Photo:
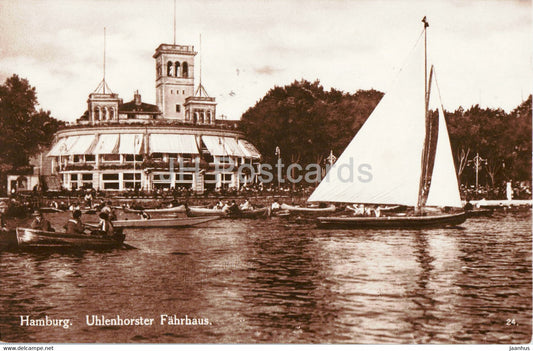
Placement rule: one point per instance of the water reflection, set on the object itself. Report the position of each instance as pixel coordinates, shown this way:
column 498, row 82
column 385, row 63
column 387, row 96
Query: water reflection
column 274, row 282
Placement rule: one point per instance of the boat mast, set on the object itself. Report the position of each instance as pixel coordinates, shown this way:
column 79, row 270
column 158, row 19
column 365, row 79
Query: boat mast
column 426, row 165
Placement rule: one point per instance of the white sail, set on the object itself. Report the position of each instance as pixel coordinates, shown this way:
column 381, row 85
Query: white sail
column 444, row 188
column 382, row 164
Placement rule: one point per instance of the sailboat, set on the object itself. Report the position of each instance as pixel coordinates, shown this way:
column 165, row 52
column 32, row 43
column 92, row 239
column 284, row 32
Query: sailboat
column 400, row 156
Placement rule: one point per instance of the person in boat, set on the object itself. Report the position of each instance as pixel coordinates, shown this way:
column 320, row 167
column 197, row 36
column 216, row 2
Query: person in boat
column 233, row 208
column 275, row 205
column 75, row 225
column 377, row 211
column 246, row 205
column 468, row 206
column 144, row 215
column 358, row 210
column 219, row 205
column 41, row 223
column 109, row 210
column 105, row 226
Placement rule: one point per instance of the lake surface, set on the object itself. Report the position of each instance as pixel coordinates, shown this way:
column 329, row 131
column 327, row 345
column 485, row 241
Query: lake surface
column 270, row 281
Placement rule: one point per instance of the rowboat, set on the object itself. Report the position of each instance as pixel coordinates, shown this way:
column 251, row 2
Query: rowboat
column 404, row 158
column 262, row 212
column 162, row 222
column 50, row 210
column 164, row 210
column 34, row 238
column 197, row 211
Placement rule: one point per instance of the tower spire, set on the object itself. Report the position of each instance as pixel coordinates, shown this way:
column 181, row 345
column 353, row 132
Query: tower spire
column 174, row 22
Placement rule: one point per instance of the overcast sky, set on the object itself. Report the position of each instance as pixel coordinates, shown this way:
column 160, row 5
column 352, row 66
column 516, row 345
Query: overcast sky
column 482, row 50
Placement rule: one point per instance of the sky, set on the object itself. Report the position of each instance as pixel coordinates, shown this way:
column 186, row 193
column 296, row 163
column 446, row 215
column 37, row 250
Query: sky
column 482, row 50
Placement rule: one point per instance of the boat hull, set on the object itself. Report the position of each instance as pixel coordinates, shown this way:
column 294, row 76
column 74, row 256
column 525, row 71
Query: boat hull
column 33, row 238
column 202, row 211
column 176, row 209
column 163, row 222
column 407, row 222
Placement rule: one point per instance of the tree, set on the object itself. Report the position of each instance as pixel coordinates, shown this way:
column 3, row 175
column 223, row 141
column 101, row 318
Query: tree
column 24, row 128
column 306, row 122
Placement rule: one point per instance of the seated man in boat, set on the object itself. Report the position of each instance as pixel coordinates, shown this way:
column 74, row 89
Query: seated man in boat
column 144, row 215
column 275, row 205
column 75, row 225
column 109, row 210
column 219, row 205
column 105, row 226
column 246, row 205
column 41, row 223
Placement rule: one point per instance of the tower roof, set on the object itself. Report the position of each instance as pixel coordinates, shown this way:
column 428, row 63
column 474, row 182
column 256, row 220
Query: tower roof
column 174, row 49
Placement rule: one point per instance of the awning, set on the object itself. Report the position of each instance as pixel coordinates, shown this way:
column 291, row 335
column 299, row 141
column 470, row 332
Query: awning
column 215, row 145
column 82, row 145
column 233, row 147
column 173, row 144
column 130, row 144
column 63, row 146
column 249, row 149
column 107, row 144
column 223, row 146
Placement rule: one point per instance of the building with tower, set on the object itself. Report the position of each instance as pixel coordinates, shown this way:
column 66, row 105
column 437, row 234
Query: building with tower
column 176, row 143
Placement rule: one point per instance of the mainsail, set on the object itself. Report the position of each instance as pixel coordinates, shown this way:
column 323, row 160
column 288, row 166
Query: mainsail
column 388, row 147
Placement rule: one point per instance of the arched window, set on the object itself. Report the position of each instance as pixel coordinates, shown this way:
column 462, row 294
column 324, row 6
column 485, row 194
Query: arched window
column 99, row 113
column 177, row 69
column 106, row 113
column 195, row 117
column 208, row 118
column 187, row 115
column 169, row 69
column 111, row 113
column 185, row 70
column 201, row 120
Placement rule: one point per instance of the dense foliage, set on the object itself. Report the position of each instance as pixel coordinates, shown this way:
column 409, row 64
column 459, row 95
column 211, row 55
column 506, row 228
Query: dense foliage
column 307, row 122
column 24, row 128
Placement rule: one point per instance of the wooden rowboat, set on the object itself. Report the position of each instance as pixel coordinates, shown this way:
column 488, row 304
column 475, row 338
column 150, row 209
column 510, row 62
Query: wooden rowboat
column 263, row 212
column 34, row 238
column 197, row 211
column 176, row 209
column 162, row 222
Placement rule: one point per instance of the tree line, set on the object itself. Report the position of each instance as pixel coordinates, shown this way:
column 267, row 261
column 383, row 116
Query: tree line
column 306, row 122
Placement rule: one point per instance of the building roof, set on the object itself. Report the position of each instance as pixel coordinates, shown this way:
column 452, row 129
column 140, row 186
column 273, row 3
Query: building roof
column 143, row 107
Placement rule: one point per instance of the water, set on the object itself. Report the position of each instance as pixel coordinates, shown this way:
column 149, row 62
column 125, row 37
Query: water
column 269, row 281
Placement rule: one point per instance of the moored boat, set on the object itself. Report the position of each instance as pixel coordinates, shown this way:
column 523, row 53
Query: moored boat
column 197, row 211
column 162, row 222
column 405, row 158
column 164, row 210
column 263, row 212
column 34, row 238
